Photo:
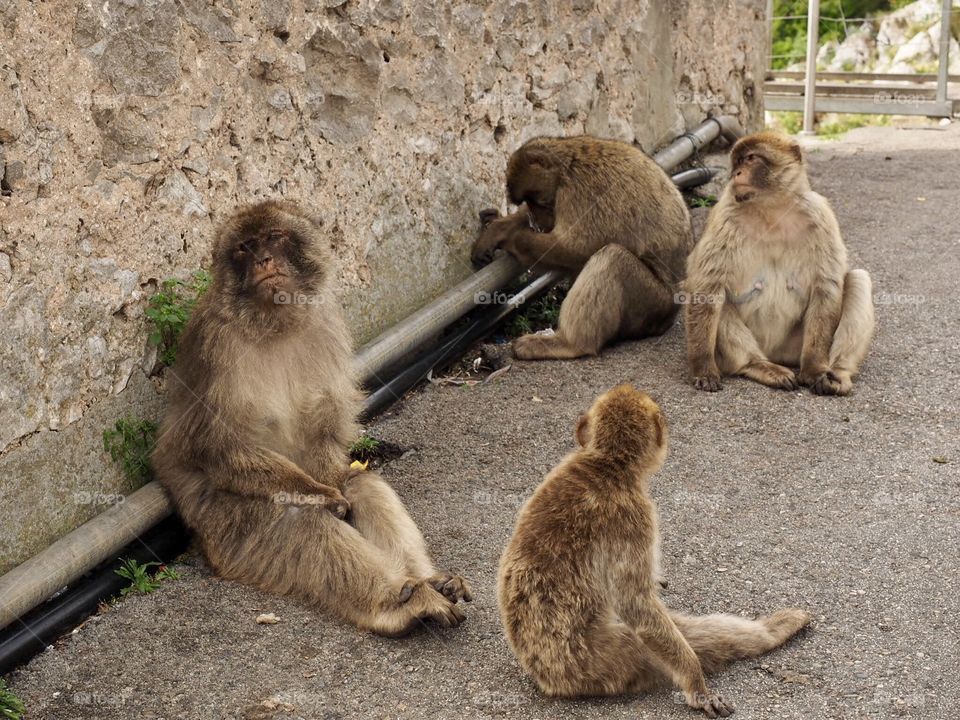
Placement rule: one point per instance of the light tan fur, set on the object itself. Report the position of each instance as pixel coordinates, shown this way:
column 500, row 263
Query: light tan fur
column 578, row 585
column 768, row 287
column 604, row 212
column 253, row 447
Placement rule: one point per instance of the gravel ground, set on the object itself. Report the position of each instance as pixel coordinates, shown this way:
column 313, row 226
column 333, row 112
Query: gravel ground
column 841, row 506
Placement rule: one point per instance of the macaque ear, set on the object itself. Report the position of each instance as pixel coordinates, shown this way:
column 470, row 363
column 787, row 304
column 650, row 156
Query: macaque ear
column 658, row 424
column 583, row 430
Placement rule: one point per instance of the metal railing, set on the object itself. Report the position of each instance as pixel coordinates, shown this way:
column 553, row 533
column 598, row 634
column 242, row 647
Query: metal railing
column 855, row 92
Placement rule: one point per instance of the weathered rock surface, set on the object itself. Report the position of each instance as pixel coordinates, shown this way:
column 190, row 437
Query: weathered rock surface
column 128, row 129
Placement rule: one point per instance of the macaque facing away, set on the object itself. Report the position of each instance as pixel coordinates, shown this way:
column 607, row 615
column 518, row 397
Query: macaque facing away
column 579, row 580
column 253, row 448
column 768, row 288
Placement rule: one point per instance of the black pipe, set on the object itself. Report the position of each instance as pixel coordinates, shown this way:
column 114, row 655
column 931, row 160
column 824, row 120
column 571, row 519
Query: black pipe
column 451, row 347
column 694, row 177
column 26, row 637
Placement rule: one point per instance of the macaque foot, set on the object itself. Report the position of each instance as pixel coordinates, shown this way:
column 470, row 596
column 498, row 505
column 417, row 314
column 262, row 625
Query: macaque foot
column 453, row 587
column 708, row 383
column 424, row 602
column 829, row 383
column 711, row 704
column 771, row 375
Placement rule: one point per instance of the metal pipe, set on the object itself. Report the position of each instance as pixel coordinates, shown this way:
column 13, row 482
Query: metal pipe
column 455, row 346
column 810, row 89
column 45, row 574
column 694, row 177
column 944, row 58
column 424, row 324
column 691, row 142
column 79, row 551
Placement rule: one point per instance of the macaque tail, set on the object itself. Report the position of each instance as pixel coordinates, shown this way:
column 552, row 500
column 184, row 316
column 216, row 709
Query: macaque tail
column 720, row 639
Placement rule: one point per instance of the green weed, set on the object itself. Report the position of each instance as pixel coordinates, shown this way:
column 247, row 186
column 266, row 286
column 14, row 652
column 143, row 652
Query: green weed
column 11, row 707
column 130, row 443
column 142, row 582
column 170, row 308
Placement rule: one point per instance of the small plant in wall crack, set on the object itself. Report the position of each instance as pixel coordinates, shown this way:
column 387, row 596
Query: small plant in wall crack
column 130, row 443
column 170, row 308
column 142, row 582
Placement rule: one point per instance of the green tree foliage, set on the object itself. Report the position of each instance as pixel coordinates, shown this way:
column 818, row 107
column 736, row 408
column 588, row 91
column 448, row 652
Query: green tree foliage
column 790, row 34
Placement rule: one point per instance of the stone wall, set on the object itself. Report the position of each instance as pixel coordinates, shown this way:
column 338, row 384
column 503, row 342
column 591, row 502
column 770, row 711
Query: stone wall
column 128, row 128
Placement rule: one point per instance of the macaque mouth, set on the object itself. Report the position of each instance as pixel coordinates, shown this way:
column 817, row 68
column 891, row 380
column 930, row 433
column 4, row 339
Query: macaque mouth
column 270, row 276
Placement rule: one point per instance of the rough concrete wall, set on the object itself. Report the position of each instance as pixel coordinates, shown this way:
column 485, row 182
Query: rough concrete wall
column 128, row 128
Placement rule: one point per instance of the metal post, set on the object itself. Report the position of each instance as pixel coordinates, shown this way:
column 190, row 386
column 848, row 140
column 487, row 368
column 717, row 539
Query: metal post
column 944, row 51
column 769, row 34
column 810, row 89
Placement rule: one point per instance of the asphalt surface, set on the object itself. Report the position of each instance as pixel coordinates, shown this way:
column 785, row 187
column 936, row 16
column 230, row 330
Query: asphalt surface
column 847, row 507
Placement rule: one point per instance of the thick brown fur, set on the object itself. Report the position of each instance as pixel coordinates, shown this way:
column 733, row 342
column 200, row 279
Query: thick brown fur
column 262, row 402
column 768, row 288
column 578, row 585
column 603, row 211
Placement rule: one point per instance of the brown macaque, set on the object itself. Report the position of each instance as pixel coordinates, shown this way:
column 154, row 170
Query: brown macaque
column 767, row 286
column 578, row 586
column 253, row 448
column 602, row 211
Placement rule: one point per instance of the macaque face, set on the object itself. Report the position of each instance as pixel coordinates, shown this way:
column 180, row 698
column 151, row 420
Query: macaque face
column 751, row 174
column 760, row 166
column 269, row 260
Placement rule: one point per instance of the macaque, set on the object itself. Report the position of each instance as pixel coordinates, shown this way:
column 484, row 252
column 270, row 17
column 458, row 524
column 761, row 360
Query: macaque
column 253, row 448
column 579, row 580
column 605, row 213
column 768, row 292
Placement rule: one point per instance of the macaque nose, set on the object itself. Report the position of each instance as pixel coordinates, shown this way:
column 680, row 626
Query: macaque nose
column 265, row 260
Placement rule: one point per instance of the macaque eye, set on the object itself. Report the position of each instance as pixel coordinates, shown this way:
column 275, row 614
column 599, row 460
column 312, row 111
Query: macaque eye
column 242, row 249
column 749, row 157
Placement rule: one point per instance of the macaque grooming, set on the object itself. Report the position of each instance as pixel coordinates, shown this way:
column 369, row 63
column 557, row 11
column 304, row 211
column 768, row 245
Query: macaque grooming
column 253, row 449
column 768, row 288
column 603, row 211
column 579, row 580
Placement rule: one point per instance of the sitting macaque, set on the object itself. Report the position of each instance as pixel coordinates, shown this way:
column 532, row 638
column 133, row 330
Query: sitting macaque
column 579, row 581
column 768, row 288
column 604, row 212
column 253, row 449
